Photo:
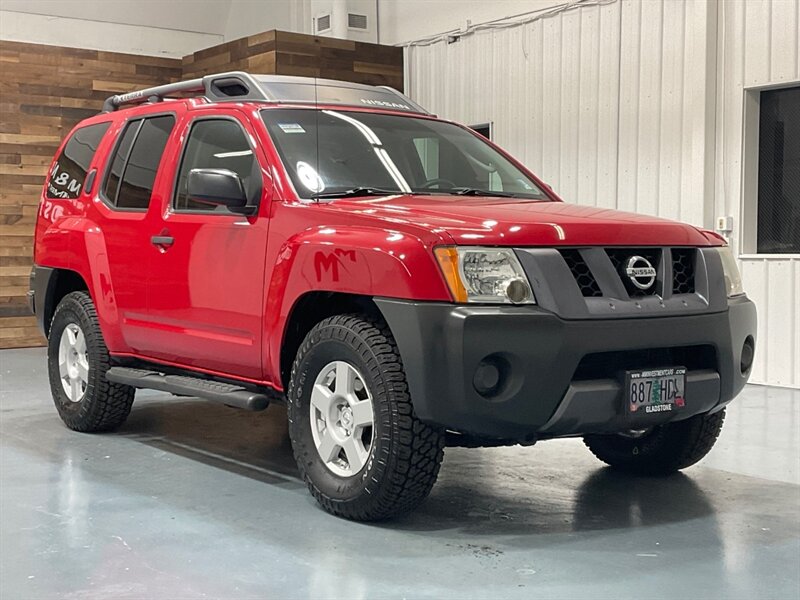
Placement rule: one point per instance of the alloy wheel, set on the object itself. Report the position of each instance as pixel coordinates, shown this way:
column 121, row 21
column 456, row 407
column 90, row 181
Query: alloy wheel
column 73, row 362
column 342, row 421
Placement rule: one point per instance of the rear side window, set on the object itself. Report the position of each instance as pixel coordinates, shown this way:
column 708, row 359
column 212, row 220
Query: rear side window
column 129, row 183
column 118, row 163
column 69, row 171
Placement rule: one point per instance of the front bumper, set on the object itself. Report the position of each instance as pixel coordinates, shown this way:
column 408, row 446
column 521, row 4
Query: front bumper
column 560, row 377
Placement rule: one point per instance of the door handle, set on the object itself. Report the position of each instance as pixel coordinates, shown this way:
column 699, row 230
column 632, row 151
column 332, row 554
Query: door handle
column 162, row 240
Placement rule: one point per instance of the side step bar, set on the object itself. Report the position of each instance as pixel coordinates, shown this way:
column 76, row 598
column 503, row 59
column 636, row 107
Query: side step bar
column 225, row 393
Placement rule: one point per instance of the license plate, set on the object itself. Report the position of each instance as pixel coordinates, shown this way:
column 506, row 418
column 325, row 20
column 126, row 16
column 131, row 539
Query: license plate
column 654, row 391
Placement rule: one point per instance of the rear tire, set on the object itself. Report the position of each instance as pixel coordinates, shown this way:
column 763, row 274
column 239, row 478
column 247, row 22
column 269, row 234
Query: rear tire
column 77, row 361
column 399, row 454
column 664, row 450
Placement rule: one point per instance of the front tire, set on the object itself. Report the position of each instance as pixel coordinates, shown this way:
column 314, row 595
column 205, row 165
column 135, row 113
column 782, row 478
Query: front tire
column 661, row 451
column 77, row 361
column 361, row 450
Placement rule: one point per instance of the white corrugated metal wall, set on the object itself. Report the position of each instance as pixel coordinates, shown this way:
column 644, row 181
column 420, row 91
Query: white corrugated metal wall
column 759, row 45
column 617, row 105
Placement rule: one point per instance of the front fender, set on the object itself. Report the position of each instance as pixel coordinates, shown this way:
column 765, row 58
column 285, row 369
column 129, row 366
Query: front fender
column 370, row 261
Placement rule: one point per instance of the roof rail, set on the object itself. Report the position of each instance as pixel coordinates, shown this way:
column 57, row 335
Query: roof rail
column 238, row 86
column 223, row 86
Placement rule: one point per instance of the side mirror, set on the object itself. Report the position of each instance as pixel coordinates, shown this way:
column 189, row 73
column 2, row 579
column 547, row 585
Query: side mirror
column 218, row 187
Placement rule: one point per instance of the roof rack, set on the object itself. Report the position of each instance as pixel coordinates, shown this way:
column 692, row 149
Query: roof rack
column 238, row 86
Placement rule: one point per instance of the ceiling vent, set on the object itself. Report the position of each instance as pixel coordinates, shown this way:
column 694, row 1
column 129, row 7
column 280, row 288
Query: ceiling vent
column 322, row 23
column 355, row 21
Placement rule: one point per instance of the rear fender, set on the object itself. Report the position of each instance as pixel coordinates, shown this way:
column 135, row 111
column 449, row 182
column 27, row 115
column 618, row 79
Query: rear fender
column 78, row 244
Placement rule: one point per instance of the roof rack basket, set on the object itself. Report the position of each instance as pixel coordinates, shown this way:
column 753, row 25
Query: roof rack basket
column 238, row 86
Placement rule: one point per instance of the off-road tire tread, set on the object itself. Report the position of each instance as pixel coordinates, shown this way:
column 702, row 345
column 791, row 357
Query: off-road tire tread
column 106, row 405
column 419, row 450
column 672, row 447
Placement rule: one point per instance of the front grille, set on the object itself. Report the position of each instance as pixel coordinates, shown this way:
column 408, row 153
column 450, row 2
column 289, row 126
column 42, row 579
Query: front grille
column 619, row 258
column 682, row 280
column 583, row 276
column 607, row 365
column 683, row 270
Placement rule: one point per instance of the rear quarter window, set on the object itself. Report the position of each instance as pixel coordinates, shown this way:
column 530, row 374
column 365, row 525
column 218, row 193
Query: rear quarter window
column 69, row 171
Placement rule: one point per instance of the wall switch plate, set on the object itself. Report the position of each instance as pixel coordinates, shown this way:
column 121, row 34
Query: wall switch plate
column 725, row 224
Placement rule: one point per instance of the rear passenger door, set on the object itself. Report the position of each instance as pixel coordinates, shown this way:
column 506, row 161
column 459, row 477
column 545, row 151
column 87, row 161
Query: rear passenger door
column 207, row 277
column 129, row 201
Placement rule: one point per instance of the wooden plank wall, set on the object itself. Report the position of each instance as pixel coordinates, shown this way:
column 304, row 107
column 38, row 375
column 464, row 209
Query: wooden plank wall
column 46, row 90
column 255, row 54
column 283, row 53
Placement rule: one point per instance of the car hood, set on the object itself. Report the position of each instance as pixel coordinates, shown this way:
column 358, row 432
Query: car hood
column 516, row 222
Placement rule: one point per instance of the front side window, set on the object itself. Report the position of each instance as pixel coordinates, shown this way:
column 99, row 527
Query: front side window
column 217, row 144
column 130, row 179
column 69, row 171
column 779, row 172
column 331, row 152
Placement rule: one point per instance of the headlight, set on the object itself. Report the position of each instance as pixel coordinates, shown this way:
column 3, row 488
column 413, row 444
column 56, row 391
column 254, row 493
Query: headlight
column 733, row 280
column 484, row 275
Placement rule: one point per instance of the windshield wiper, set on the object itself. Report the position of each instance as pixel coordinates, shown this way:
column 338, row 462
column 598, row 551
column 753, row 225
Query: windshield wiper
column 467, row 191
column 357, row 191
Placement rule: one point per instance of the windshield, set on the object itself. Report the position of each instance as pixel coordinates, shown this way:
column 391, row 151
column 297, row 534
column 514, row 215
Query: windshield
column 330, row 153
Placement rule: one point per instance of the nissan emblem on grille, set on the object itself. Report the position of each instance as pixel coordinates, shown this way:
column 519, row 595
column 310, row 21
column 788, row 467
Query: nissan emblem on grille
column 641, row 272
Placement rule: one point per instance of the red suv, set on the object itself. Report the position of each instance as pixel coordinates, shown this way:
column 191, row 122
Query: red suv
column 401, row 283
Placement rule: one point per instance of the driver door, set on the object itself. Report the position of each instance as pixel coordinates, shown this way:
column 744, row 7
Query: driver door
column 205, row 288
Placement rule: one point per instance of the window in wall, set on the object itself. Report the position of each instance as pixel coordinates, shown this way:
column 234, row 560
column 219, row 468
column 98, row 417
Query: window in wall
column 485, row 129
column 428, row 151
column 135, row 164
column 779, row 172
column 217, row 144
column 69, row 171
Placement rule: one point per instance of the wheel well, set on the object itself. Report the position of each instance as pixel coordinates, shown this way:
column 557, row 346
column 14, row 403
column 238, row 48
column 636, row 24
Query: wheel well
column 62, row 283
column 309, row 310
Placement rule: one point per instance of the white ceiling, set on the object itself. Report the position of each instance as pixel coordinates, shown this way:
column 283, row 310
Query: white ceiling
column 207, row 22
column 200, row 16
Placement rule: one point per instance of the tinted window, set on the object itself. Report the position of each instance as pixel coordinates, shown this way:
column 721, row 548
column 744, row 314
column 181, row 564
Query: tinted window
column 69, row 171
column 135, row 164
column 217, row 144
column 118, row 162
column 779, row 172
column 140, row 172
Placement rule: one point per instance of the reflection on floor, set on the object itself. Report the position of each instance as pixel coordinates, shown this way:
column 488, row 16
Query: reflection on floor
column 194, row 500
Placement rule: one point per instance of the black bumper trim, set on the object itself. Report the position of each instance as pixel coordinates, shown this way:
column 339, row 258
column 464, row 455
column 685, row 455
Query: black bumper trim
column 594, row 406
column 442, row 345
column 41, row 278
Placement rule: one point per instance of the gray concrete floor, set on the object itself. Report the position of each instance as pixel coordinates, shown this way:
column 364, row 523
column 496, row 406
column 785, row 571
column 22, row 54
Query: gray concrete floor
column 194, row 500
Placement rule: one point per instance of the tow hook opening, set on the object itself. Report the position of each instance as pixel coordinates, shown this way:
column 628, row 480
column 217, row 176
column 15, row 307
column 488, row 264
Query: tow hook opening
column 748, row 353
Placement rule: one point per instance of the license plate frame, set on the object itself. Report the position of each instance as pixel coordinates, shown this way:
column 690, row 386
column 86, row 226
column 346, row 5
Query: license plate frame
column 654, row 391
